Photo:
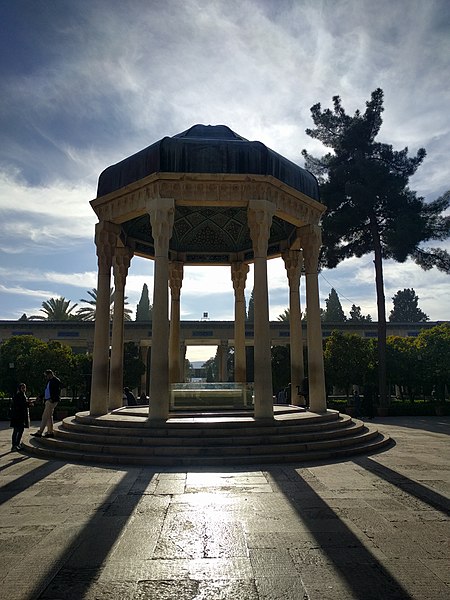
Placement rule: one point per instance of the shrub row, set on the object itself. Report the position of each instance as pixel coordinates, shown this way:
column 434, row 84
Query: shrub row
column 419, row 408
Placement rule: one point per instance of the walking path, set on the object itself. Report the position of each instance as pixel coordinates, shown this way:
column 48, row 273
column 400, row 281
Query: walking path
column 372, row 527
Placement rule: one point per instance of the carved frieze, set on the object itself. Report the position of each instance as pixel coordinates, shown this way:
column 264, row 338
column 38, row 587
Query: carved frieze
column 208, row 215
column 206, row 189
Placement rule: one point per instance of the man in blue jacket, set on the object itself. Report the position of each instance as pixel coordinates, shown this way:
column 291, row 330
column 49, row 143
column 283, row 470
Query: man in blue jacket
column 52, row 395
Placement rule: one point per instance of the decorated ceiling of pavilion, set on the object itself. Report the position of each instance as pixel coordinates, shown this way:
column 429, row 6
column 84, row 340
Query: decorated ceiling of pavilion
column 208, row 235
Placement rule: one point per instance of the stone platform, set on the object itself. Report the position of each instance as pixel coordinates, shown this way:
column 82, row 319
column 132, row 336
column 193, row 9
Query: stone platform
column 362, row 528
column 192, row 438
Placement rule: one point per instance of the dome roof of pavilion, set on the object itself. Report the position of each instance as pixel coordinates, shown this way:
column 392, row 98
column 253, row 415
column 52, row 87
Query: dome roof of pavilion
column 207, row 149
column 212, row 174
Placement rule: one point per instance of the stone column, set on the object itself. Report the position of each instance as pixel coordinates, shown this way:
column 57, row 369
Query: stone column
column 121, row 264
column 162, row 211
column 311, row 239
column 293, row 261
column 239, row 272
column 106, row 235
column 260, row 213
column 175, row 282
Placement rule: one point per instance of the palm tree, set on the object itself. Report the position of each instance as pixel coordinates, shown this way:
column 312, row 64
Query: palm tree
column 284, row 315
column 56, row 309
column 87, row 313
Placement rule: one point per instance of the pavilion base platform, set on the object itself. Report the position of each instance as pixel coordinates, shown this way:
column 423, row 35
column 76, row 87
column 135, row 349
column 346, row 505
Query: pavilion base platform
column 197, row 439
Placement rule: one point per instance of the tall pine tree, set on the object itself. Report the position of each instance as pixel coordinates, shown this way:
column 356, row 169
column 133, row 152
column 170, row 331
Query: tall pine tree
column 144, row 308
column 370, row 208
column 333, row 312
column 406, row 308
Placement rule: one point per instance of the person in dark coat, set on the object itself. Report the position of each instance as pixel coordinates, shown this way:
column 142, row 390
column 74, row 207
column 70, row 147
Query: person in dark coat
column 368, row 409
column 131, row 398
column 20, row 417
column 357, row 405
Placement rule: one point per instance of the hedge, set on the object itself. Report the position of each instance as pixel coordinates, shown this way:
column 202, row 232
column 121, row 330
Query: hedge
column 397, row 408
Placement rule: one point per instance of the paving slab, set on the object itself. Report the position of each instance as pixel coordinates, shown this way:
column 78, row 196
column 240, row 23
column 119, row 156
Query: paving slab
column 368, row 527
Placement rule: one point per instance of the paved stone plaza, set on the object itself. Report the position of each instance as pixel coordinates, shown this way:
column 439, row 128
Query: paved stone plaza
column 372, row 527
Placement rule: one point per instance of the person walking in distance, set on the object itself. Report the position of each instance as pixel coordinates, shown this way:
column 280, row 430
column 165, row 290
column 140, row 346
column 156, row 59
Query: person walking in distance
column 52, row 395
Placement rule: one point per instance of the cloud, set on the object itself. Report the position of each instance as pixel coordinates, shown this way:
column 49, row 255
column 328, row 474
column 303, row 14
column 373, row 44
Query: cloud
column 20, row 291
column 107, row 93
column 18, row 288
column 34, row 218
column 86, row 84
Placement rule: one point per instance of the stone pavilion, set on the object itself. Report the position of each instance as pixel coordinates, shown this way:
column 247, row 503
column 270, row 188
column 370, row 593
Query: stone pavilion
column 206, row 196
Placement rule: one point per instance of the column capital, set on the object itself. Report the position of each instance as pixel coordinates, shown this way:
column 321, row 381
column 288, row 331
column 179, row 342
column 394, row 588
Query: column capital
column 293, row 262
column 175, row 278
column 121, row 261
column 162, row 213
column 259, row 215
column 239, row 271
column 311, row 239
column 106, row 236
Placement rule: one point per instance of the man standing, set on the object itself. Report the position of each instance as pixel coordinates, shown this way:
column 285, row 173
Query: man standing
column 52, row 395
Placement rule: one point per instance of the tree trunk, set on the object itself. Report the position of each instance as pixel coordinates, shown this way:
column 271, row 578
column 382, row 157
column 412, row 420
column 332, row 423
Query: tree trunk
column 381, row 309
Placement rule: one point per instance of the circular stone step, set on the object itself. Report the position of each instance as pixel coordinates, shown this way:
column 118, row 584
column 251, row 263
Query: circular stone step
column 125, row 436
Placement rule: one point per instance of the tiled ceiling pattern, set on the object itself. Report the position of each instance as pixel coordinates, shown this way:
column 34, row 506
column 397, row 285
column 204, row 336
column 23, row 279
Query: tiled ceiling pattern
column 203, row 230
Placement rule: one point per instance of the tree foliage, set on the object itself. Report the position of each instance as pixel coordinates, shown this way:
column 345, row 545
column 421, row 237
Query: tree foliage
column 16, row 362
column 406, row 309
column 414, row 364
column 87, row 313
column 281, row 367
column 364, row 185
column 133, row 366
column 212, row 368
column 24, row 358
column 404, row 368
column 370, row 208
column 56, row 309
column 434, row 349
column 80, row 377
column 285, row 316
column 347, row 358
column 356, row 315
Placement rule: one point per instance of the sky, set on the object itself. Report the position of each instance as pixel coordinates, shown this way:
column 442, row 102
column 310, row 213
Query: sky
column 86, row 83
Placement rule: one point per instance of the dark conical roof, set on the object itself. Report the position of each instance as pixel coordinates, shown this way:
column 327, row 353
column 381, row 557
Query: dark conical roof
column 207, row 149
column 210, row 132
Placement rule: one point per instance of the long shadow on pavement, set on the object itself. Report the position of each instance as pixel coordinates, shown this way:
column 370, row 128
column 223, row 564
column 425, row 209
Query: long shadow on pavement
column 78, row 567
column 431, row 424
column 14, row 461
column 23, row 482
column 71, row 571
column 335, row 551
column 430, row 497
